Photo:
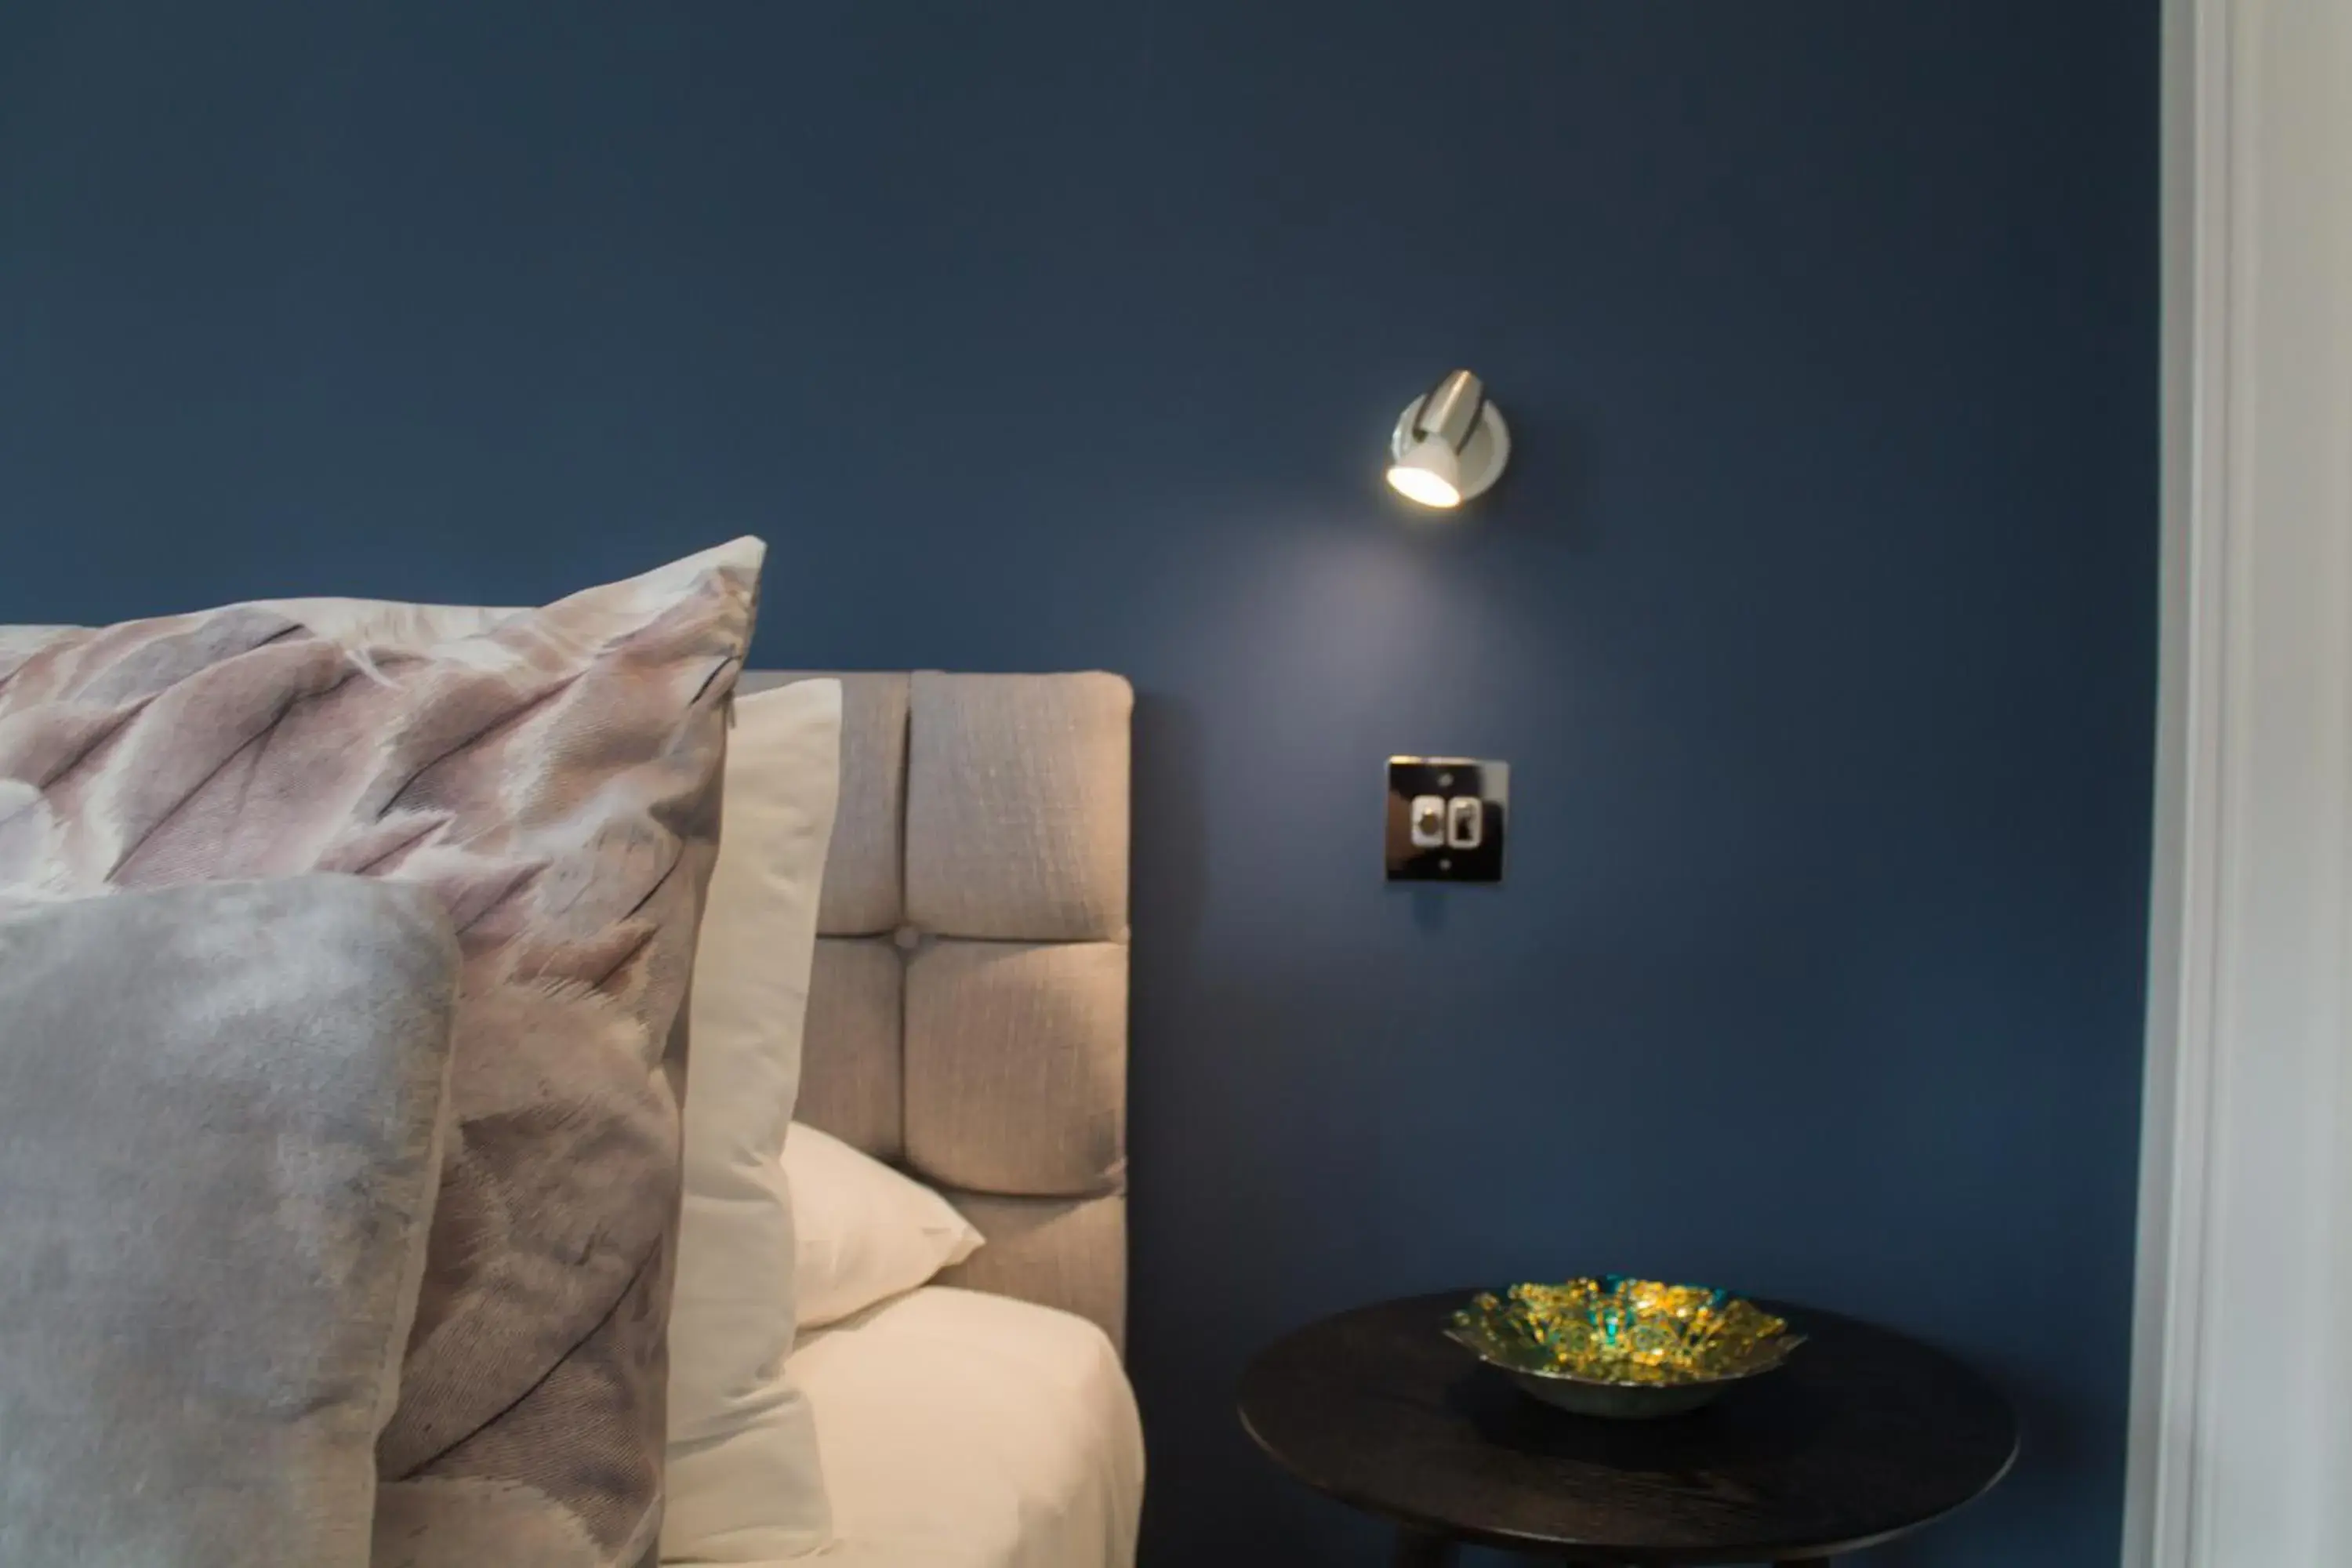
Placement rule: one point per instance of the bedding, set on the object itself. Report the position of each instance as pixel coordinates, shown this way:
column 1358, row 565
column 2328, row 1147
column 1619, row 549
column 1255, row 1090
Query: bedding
column 553, row 779
column 862, row 1232
column 220, row 1132
column 745, row 1482
column 964, row 1430
column 967, row 1028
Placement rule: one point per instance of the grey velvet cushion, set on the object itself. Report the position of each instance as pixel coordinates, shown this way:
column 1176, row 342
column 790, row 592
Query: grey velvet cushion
column 220, row 1114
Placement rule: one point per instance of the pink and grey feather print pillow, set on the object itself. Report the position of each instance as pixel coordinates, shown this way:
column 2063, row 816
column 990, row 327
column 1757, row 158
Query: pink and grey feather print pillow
column 553, row 776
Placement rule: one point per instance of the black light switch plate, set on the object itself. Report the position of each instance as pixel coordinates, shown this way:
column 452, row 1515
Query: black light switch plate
column 1447, row 819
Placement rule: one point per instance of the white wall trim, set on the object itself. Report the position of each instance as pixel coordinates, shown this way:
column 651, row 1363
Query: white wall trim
column 2240, row 1437
column 2176, row 1113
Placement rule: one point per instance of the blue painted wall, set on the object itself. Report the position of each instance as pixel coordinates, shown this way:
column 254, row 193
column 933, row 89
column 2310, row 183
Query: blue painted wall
column 1817, row 616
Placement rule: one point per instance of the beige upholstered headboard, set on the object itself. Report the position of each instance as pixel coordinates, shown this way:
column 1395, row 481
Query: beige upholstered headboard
column 967, row 1014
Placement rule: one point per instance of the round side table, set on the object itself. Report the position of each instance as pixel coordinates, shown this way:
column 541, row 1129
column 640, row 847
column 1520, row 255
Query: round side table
column 1863, row 1437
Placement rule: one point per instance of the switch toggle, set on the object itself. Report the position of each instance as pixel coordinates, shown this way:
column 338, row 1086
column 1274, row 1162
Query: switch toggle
column 1466, row 822
column 1428, row 821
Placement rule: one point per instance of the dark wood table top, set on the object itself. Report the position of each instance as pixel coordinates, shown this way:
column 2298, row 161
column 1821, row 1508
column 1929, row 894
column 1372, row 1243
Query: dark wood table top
column 1863, row 1436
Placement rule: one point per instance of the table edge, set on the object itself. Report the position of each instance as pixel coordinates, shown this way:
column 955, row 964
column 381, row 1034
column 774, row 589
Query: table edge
column 1657, row 1557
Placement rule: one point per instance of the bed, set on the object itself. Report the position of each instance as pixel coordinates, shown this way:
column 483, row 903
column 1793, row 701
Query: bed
column 968, row 1023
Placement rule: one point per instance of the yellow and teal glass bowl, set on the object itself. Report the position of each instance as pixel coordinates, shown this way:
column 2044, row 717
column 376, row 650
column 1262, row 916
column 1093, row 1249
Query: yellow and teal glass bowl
column 1626, row 1349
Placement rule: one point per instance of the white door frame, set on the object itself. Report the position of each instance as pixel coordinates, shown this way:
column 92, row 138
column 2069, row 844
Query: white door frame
column 2242, row 1404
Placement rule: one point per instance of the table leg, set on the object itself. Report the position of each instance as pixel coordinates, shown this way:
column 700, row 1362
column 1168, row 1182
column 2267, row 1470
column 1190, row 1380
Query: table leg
column 1422, row 1549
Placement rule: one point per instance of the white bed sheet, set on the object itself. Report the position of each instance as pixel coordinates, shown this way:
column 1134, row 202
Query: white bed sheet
column 961, row 1430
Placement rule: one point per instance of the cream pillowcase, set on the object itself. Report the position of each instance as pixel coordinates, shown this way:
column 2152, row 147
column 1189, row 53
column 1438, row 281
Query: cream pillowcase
column 864, row 1233
column 744, row 1482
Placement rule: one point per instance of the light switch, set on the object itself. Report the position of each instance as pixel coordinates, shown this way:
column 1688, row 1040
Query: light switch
column 1445, row 819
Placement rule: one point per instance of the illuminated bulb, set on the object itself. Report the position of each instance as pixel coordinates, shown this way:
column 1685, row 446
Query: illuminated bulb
column 1428, row 473
column 1449, row 444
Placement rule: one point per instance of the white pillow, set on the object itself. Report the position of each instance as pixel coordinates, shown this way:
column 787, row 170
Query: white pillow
column 744, row 1482
column 866, row 1233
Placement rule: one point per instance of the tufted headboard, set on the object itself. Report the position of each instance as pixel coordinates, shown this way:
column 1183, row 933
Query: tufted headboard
column 968, row 1013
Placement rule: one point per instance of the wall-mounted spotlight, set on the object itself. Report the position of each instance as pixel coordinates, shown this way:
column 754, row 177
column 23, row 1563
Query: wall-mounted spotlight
column 1450, row 443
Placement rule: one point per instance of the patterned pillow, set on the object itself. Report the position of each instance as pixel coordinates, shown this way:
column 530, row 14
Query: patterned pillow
column 554, row 778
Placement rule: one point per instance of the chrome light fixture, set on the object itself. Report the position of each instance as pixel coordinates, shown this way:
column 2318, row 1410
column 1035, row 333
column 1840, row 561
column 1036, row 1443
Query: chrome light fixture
column 1450, row 443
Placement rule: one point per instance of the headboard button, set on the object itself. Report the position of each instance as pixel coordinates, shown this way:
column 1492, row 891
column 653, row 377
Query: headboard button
column 908, row 938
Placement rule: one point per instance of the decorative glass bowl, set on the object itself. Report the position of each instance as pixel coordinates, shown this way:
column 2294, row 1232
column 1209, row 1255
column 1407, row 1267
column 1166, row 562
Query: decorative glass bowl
column 1625, row 1347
